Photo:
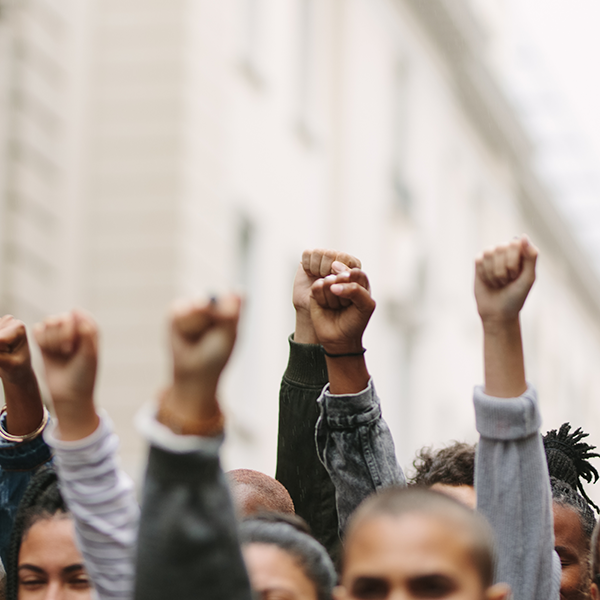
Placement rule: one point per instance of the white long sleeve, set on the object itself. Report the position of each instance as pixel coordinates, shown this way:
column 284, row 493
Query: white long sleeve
column 101, row 498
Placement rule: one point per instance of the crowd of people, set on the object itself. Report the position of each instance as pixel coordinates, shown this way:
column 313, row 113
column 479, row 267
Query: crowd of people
column 506, row 518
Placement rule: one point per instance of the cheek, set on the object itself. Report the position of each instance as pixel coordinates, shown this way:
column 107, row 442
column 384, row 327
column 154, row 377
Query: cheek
column 571, row 577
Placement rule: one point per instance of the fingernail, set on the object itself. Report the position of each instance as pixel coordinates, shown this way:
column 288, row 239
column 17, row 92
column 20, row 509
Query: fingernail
column 337, row 288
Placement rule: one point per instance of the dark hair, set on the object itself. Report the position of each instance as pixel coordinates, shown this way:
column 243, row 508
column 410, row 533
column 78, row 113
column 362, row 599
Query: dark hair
column 41, row 500
column 268, row 493
column 452, row 465
column 291, row 534
column 568, row 458
column 397, row 502
column 564, row 495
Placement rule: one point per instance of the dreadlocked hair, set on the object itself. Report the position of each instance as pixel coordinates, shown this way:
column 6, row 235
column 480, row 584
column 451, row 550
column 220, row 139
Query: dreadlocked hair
column 42, row 500
column 452, row 465
column 568, row 458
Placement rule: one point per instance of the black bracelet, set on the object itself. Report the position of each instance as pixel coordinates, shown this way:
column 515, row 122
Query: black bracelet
column 343, row 355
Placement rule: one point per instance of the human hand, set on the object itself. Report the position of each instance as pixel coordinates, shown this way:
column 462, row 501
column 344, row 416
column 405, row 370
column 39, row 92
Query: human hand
column 202, row 339
column 315, row 264
column 69, row 345
column 503, row 277
column 340, row 308
column 15, row 357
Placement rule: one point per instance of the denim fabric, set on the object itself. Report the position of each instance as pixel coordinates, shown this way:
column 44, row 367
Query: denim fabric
column 356, row 447
column 298, row 466
column 18, row 463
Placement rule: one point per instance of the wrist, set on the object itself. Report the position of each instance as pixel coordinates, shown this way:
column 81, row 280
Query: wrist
column 76, row 421
column 304, row 332
column 19, row 374
column 352, row 347
column 498, row 324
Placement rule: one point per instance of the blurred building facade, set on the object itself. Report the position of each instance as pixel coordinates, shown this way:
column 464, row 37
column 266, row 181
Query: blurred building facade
column 154, row 148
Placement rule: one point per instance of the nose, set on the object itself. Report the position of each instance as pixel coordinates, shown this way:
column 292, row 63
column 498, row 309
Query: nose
column 55, row 591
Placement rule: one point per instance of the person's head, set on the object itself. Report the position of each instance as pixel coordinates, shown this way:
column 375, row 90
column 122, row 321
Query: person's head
column 416, row 543
column 595, row 560
column 254, row 492
column 568, row 465
column 284, row 561
column 574, row 524
column 450, row 470
column 43, row 559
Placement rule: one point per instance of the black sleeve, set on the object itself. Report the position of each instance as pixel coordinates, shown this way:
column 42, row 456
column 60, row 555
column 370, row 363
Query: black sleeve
column 298, row 466
column 188, row 545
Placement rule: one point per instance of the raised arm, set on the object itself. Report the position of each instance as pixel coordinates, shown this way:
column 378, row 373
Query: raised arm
column 22, row 448
column 298, row 466
column 99, row 495
column 513, row 486
column 353, row 440
column 188, row 544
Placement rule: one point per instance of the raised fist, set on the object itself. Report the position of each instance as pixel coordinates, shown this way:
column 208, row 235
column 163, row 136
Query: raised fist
column 340, row 307
column 202, row 338
column 69, row 345
column 15, row 358
column 503, row 277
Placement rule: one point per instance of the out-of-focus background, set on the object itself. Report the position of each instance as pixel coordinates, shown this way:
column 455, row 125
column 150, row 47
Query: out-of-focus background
column 155, row 148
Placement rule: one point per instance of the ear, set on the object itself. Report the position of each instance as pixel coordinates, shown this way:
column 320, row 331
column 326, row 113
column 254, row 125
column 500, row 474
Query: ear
column 339, row 593
column 595, row 592
column 500, row 591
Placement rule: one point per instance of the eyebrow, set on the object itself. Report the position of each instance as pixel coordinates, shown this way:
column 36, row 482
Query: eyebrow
column 67, row 570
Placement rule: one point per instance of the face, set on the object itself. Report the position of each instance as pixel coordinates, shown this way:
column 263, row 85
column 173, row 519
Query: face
column 465, row 494
column 275, row 575
column 572, row 548
column 410, row 557
column 50, row 565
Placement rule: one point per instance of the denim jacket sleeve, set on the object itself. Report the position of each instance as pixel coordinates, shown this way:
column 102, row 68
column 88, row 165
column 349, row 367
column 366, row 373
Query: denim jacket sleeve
column 513, row 493
column 18, row 463
column 356, row 447
column 298, row 466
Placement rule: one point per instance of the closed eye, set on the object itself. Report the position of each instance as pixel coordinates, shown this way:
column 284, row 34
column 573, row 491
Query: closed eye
column 370, row 588
column 432, row 586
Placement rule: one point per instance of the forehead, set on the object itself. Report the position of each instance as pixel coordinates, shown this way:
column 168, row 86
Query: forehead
column 411, row 545
column 568, row 531
column 50, row 543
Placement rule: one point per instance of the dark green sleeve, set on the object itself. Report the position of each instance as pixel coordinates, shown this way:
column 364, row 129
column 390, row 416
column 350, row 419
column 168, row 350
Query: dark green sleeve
column 298, row 466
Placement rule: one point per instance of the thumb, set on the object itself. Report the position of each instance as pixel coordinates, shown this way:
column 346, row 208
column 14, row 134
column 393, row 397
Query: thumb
column 87, row 332
column 338, row 267
column 530, row 254
column 357, row 294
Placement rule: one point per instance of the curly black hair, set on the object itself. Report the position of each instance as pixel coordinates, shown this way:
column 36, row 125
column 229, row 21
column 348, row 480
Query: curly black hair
column 452, row 465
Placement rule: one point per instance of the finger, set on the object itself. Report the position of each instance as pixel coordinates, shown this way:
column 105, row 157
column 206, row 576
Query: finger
column 315, row 262
column 338, row 267
column 12, row 336
column 39, row 334
column 333, row 302
column 55, row 326
column 228, row 308
column 357, row 294
column 500, row 270
column 347, row 259
column 317, row 293
column 480, row 270
column 513, row 259
column 327, row 259
column 305, row 262
column 191, row 318
column 487, row 265
column 530, row 255
column 86, row 331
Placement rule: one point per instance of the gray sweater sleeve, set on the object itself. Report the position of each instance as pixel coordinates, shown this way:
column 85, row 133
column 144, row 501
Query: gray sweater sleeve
column 513, row 493
column 356, row 447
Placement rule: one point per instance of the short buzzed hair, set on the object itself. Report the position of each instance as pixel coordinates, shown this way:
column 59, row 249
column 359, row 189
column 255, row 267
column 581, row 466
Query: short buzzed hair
column 260, row 492
column 397, row 502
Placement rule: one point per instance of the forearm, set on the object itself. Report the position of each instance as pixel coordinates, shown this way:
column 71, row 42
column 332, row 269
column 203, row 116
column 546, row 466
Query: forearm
column 298, row 466
column 102, row 501
column 503, row 357
column 24, row 409
column 347, row 374
column 187, row 539
column 356, row 447
column 513, row 493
